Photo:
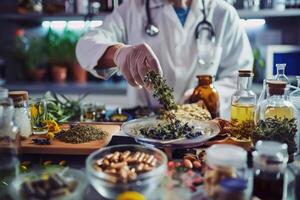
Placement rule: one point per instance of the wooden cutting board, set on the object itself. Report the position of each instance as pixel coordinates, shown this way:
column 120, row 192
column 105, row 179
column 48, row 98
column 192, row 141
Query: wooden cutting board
column 58, row 147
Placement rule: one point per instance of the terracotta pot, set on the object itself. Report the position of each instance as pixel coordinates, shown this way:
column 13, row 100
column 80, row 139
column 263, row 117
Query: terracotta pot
column 36, row 74
column 78, row 73
column 59, row 73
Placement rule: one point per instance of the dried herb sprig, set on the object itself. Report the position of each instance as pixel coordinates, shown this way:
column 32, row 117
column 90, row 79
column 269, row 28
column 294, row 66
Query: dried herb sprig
column 241, row 130
column 277, row 129
column 161, row 90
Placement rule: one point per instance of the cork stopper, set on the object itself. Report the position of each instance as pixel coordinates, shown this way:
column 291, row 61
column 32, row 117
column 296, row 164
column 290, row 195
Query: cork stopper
column 276, row 87
column 245, row 73
column 18, row 96
column 205, row 79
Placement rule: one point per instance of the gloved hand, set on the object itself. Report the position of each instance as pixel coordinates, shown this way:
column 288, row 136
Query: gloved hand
column 135, row 61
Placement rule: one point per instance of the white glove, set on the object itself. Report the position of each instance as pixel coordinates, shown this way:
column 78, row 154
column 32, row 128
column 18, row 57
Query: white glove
column 135, row 61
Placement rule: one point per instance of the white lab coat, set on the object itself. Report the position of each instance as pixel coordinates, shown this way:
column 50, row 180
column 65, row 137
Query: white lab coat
column 175, row 46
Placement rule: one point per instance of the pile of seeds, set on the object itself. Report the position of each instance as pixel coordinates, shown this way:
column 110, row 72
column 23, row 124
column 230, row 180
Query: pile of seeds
column 80, row 134
column 125, row 166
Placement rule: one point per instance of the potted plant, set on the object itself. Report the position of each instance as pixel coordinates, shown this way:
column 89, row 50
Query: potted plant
column 57, row 57
column 79, row 75
column 31, row 52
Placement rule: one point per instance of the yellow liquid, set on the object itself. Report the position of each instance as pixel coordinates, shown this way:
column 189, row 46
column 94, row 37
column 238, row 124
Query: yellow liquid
column 280, row 112
column 241, row 113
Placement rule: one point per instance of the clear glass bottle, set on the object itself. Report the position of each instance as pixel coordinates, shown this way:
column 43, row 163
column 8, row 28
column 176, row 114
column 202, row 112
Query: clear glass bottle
column 9, row 145
column 206, row 92
column 243, row 100
column 280, row 75
column 22, row 115
column 269, row 166
column 276, row 104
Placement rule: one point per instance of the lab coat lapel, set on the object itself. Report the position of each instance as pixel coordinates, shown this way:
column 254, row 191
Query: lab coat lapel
column 195, row 15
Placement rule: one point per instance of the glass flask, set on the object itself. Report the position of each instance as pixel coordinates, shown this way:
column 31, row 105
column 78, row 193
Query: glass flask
column 38, row 111
column 280, row 75
column 9, row 145
column 243, row 100
column 206, row 92
column 269, row 166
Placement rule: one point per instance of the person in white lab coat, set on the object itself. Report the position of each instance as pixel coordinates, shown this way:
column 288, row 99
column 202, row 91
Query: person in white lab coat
column 173, row 51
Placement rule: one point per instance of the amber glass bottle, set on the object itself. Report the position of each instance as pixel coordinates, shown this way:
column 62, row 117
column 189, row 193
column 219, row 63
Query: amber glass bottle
column 206, row 92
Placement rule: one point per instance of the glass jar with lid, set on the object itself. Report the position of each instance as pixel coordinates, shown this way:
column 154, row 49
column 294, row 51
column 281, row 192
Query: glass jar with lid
column 206, row 92
column 270, row 162
column 243, row 100
column 223, row 161
column 22, row 115
column 9, row 145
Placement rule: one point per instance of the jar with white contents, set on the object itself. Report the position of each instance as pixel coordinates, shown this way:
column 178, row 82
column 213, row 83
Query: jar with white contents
column 22, row 115
column 224, row 161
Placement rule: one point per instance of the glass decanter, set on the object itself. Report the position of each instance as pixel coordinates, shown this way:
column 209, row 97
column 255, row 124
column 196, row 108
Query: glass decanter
column 243, row 100
column 280, row 75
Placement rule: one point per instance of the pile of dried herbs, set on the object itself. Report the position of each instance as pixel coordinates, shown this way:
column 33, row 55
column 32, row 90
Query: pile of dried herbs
column 170, row 131
column 278, row 129
column 243, row 130
column 80, row 134
column 161, row 90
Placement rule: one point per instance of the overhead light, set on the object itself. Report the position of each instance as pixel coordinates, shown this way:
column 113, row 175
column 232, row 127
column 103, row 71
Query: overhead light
column 76, row 24
column 253, row 23
column 58, row 24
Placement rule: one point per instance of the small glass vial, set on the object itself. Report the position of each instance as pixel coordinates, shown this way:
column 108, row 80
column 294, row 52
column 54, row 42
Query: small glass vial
column 280, row 75
column 243, row 100
column 206, row 92
column 223, row 161
column 270, row 161
column 22, row 115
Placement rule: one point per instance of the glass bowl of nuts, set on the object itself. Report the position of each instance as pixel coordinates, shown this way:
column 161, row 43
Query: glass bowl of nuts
column 116, row 169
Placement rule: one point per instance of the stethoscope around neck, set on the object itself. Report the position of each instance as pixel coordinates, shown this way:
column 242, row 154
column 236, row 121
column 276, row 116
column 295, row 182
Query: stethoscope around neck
column 203, row 26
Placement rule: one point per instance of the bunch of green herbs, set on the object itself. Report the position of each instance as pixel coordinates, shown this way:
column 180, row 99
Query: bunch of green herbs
column 80, row 134
column 277, row 129
column 161, row 90
column 63, row 109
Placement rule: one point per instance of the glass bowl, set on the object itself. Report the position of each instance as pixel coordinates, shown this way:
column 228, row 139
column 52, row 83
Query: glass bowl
column 67, row 173
column 145, row 183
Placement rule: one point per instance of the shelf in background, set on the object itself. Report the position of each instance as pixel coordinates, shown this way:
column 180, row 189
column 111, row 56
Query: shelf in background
column 268, row 13
column 47, row 17
column 103, row 88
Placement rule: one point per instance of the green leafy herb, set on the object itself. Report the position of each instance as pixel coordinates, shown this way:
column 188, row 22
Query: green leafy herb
column 241, row 130
column 278, row 129
column 161, row 90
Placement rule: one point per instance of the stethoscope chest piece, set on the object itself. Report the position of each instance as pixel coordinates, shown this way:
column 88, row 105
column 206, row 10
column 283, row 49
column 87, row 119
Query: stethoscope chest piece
column 151, row 30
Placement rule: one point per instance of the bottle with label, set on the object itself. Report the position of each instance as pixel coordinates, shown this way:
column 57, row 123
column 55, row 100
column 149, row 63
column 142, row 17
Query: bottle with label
column 206, row 92
column 243, row 100
column 270, row 162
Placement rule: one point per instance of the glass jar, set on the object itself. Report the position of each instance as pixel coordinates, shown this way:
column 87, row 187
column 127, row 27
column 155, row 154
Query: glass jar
column 88, row 113
column 206, row 92
column 9, row 145
column 243, row 100
column 21, row 115
column 221, row 164
column 270, row 161
column 38, row 111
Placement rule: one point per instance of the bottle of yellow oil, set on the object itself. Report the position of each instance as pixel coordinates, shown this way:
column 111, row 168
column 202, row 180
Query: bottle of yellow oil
column 244, row 99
